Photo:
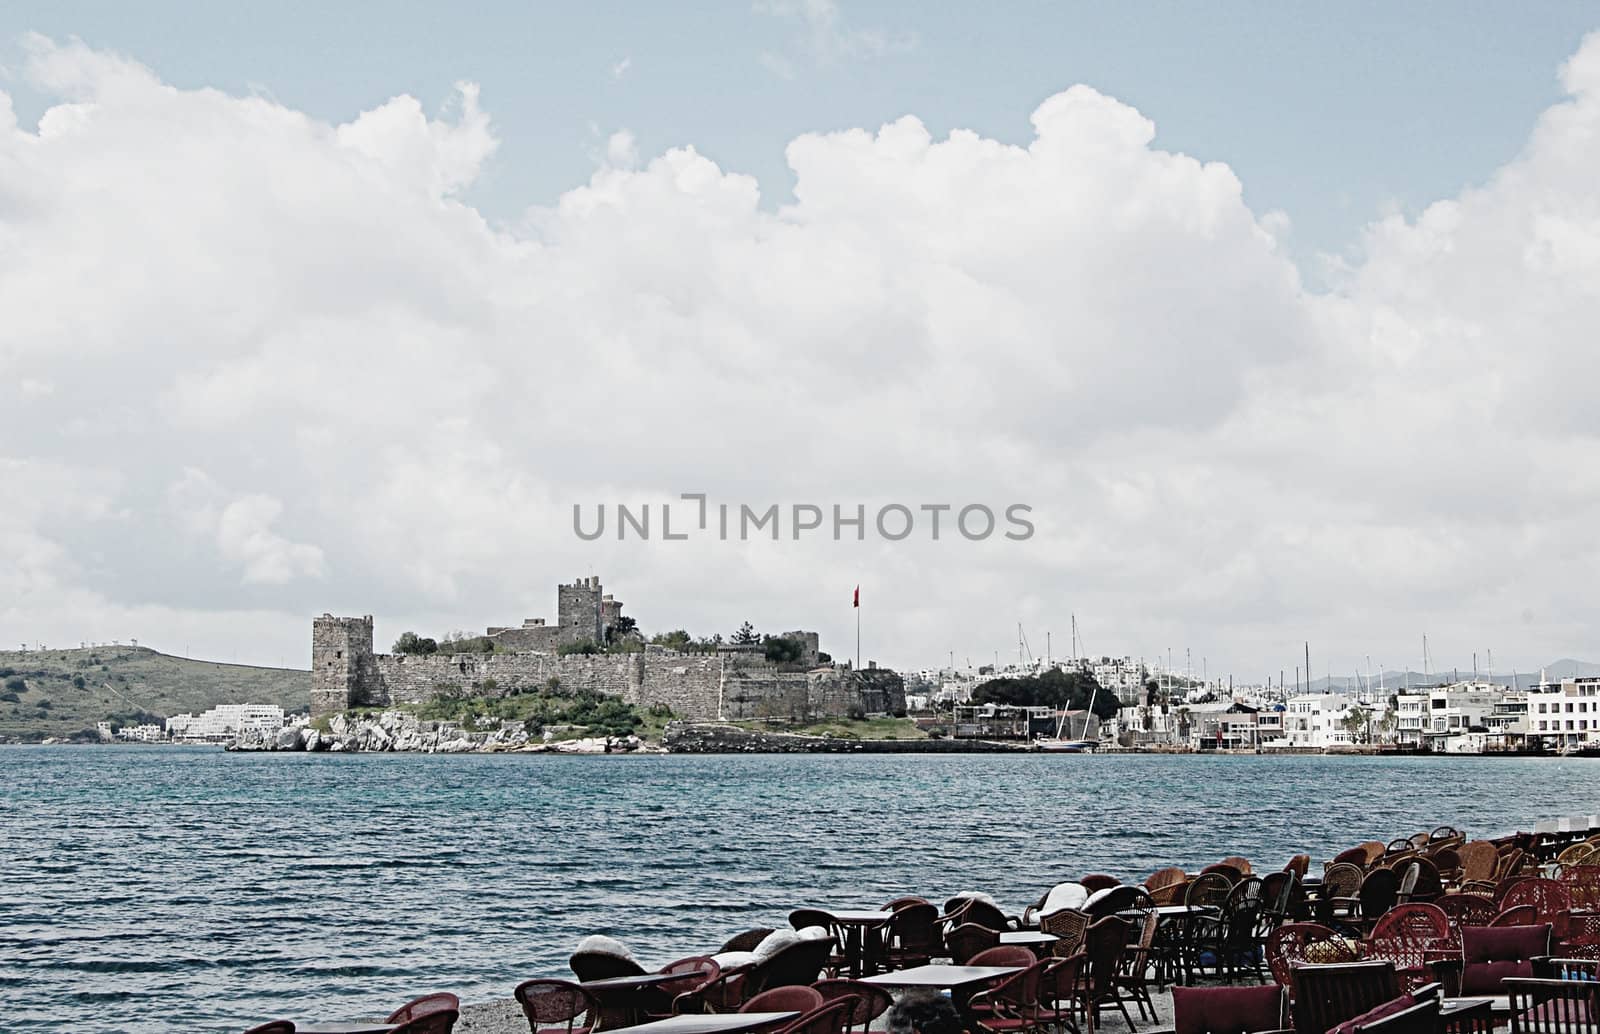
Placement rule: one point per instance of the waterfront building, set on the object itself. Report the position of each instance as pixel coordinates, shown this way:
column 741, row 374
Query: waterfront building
column 1508, row 721
column 225, row 722
column 1315, row 721
column 1411, row 715
column 1460, row 708
column 141, row 734
column 1565, row 713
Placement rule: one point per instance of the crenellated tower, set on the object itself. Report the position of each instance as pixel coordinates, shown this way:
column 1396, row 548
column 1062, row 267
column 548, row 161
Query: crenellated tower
column 343, row 673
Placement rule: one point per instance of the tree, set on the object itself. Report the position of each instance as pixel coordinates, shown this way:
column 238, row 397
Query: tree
column 781, row 649
column 746, row 636
column 410, row 642
column 677, row 639
column 583, row 646
column 1055, row 688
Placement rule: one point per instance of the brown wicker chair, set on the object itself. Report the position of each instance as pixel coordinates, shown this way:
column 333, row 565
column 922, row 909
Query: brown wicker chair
column 1104, row 945
column 1171, row 894
column 1298, row 865
column 1479, row 864
column 1133, row 982
column 441, row 1022
column 1011, row 1005
column 1374, row 849
column 273, row 1027
column 1341, row 890
column 1242, row 864
column 969, row 939
column 1099, row 881
column 899, row 903
column 794, row 998
column 697, row 972
column 557, row 1007
column 1352, row 856
column 799, row 963
column 909, row 938
column 1421, row 879
column 1004, row 955
column 872, row 1001
column 1058, row 992
column 828, row 1018
column 423, row 1006
column 1164, row 878
column 1226, row 869
column 1068, row 926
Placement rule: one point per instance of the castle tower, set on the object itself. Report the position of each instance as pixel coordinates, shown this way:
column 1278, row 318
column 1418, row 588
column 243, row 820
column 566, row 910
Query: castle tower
column 343, row 673
column 578, row 610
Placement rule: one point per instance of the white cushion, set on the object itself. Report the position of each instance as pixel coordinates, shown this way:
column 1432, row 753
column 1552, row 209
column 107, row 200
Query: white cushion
column 775, row 942
column 1064, row 895
column 1095, row 898
column 729, row 959
column 604, row 945
column 815, row 933
column 978, row 895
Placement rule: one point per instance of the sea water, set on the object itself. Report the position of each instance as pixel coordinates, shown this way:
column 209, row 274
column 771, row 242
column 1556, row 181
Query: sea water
column 165, row 888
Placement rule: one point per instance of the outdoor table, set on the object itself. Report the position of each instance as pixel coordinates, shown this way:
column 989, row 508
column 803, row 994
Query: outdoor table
column 1027, row 938
column 714, row 1023
column 1498, row 1005
column 345, row 1027
column 961, row 981
column 620, row 998
column 854, row 924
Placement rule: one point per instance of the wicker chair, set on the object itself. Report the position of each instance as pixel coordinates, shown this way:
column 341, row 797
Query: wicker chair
column 1058, row 992
column 794, row 998
column 969, row 939
column 1445, row 833
column 1583, row 884
column 1012, row 1004
column 1480, row 862
column 872, row 1001
column 898, row 903
column 1133, row 981
column 1582, row 936
column 1549, row 898
column 1099, row 881
column 1067, row 925
column 1374, row 849
column 1004, row 955
column 1351, row 856
column 1380, row 891
column 806, row 918
column 1341, row 889
column 1298, row 944
column 1411, row 937
column 1242, row 864
column 1171, row 894
column 1104, row 945
column 273, row 1027
column 557, row 1007
column 909, row 938
column 1118, row 899
column 1518, row 915
column 828, row 1018
column 1422, row 880
column 1298, row 865
column 800, row 963
column 441, row 1022
column 424, row 1006
column 1164, row 878
column 1326, row 996
column 1203, row 930
column 983, row 913
column 1466, row 909
column 697, row 973
column 1233, row 873
column 602, row 965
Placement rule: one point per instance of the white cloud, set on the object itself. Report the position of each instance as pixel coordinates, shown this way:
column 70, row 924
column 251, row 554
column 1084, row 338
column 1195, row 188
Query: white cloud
column 395, row 403
column 825, row 36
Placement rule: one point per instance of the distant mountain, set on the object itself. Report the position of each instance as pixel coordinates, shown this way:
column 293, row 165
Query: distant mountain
column 63, row 692
column 1394, row 680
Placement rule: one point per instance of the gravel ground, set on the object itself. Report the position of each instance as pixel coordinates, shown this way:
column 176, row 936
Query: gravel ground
column 504, row 1016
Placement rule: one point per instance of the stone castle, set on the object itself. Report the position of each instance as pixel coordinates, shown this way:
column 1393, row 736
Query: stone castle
column 734, row 682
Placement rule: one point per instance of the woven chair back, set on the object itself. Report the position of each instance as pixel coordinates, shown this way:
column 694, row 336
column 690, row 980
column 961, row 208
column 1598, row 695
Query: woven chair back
column 1549, row 898
column 1342, row 880
column 1209, row 888
column 1068, row 926
column 548, row 1003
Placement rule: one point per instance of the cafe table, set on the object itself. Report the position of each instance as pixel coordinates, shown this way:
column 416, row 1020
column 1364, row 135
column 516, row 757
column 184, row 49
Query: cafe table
column 714, row 1023
column 1027, row 938
column 940, row 977
column 345, row 1027
column 854, row 924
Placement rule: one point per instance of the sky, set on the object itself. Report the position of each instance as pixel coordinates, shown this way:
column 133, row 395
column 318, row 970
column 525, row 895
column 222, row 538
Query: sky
column 1278, row 318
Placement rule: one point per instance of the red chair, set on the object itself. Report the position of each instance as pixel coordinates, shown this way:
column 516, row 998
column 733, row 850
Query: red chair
column 1012, row 1004
column 441, row 1022
column 1518, row 915
column 424, row 1006
column 1104, row 944
column 273, row 1027
column 828, row 1018
column 1549, row 898
column 1293, row 945
column 1467, row 909
column 557, row 1007
column 969, row 939
column 1326, row 996
column 1582, row 938
column 872, row 1001
column 1228, row 1010
column 910, row 938
column 784, row 999
column 1413, row 936
column 1583, row 885
column 698, row 972
column 590, row 965
column 1004, row 955
column 1058, row 992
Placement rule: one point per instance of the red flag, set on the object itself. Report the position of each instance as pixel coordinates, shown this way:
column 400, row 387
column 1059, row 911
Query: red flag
column 856, row 602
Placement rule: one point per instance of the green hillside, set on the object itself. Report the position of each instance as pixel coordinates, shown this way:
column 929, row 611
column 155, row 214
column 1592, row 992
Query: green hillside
column 65, row 692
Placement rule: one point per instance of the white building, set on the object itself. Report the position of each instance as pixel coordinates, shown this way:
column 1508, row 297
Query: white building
column 1565, row 713
column 141, row 733
column 1411, row 715
column 224, row 722
column 1461, row 707
column 1316, row 720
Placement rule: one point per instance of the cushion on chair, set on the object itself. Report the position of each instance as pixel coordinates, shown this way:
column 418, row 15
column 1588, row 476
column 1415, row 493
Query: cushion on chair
column 604, row 945
column 1492, row 953
column 1226, row 1010
column 814, row 933
column 775, row 942
column 1064, row 895
column 730, row 959
column 1379, row 1012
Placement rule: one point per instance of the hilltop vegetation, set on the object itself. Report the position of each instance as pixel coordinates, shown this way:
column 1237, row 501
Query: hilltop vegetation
column 65, row 692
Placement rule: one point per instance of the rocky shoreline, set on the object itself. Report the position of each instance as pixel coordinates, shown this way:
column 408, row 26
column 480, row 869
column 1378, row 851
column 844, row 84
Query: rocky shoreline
column 712, row 738
column 403, row 732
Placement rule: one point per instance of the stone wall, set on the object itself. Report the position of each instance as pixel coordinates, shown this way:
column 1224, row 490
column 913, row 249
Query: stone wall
column 728, row 685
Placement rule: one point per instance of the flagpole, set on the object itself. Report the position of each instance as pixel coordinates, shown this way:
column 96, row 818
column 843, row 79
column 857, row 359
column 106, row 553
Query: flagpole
column 858, row 636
